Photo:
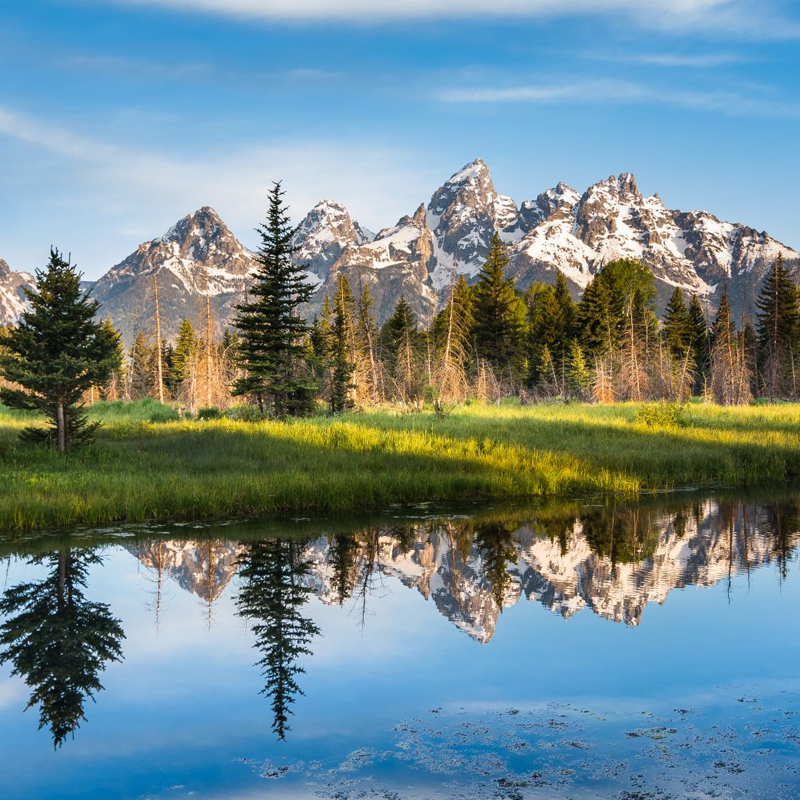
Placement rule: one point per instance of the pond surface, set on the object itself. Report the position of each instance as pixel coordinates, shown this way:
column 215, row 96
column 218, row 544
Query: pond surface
column 593, row 648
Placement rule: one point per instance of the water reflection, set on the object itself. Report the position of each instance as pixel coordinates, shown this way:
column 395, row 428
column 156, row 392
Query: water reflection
column 59, row 641
column 274, row 590
column 610, row 557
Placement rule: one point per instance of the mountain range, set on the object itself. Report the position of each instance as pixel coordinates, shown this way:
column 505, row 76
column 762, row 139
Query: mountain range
column 561, row 230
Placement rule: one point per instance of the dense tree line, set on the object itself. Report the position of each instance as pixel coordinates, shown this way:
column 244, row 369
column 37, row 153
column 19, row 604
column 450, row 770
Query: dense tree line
column 489, row 340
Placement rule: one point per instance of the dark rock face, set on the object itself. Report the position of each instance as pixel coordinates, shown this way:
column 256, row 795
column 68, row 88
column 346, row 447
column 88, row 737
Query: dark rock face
column 561, row 230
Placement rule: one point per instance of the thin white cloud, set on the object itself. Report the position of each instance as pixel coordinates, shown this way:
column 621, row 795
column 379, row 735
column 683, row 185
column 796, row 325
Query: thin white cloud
column 588, row 92
column 144, row 68
column 143, row 192
column 702, row 61
column 745, row 17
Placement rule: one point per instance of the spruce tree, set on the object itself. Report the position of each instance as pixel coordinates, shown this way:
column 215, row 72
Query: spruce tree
column 184, row 352
column 400, row 351
column 141, row 369
column 56, row 352
column 498, row 315
column 548, row 329
column 677, row 325
column 272, row 352
column 580, row 376
column 367, row 342
column 777, row 331
column 700, row 343
column 341, row 367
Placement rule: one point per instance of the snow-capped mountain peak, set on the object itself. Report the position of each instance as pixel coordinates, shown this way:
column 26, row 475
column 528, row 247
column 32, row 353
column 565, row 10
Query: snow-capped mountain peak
column 12, row 297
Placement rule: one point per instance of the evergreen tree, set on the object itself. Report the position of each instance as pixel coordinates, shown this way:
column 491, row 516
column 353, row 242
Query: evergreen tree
column 498, row 316
column 56, row 352
column 597, row 320
column 273, row 353
column 184, row 352
column 340, row 348
column 140, row 368
column 567, row 305
column 274, row 590
column 59, row 641
column 367, row 343
column 400, row 351
column 580, row 376
column 622, row 294
column 548, row 330
column 677, row 325
column 700, row 343
column 115, row 386
column 777, row 331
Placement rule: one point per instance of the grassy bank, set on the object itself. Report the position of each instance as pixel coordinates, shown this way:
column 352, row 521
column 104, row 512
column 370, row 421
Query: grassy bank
column 140, row 469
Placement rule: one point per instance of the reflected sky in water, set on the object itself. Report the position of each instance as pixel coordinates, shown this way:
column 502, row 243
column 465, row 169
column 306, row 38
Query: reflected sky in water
column 577, row 649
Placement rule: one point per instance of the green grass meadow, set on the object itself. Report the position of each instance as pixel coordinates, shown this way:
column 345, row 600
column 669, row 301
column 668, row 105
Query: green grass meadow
column 148, row 464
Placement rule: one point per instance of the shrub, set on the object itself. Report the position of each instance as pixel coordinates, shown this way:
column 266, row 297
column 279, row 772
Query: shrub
column 245, row 413
column 662, row 414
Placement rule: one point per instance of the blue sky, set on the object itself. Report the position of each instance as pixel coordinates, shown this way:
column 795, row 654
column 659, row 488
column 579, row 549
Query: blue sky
column 118, row 117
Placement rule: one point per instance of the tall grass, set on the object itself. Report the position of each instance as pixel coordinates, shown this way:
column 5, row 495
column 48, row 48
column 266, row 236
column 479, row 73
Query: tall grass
column 144, row 468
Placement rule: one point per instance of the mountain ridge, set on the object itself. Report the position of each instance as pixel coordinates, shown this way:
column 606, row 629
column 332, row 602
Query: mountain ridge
column 560, row 230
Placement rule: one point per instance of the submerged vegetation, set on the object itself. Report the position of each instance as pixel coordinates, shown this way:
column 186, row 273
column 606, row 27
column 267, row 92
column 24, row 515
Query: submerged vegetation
column 140, row 468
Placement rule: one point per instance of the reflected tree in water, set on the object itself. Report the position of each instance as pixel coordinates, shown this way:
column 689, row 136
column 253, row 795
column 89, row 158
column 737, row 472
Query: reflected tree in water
column 625, row 536
column 496, row 543
column 59, row 641
column 343, row 558
column 275, row 587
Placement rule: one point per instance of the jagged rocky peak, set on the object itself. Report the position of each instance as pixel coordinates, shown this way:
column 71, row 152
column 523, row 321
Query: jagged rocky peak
column 323, row 235
column 201, row 236
column 463, row 214
column 561, row 198
column 197, row 256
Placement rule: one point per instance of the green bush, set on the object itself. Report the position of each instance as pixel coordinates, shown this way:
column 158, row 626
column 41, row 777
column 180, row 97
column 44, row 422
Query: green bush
column 245, row 413
column 662, row 414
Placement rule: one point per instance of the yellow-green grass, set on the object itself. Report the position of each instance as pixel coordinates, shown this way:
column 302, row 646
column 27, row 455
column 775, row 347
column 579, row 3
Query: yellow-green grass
column 139, row 470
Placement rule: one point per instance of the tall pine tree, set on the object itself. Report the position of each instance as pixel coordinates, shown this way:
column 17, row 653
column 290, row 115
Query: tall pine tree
column 272, row 352
column 56, row 352
column 498, row 316
column 777, row 331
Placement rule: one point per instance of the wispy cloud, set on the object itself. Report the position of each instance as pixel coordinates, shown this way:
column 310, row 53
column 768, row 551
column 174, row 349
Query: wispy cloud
column 742, row 16
column 189, row 71
column 702, row 61
column 592, row 92
column 143, row 191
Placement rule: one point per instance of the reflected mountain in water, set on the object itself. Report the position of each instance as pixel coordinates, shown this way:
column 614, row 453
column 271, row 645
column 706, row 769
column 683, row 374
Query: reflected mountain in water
column 614, row 560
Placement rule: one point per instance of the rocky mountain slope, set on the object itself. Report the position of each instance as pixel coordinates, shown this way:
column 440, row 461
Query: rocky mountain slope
column 198, row 255
column 12, row 300
column 561, row 230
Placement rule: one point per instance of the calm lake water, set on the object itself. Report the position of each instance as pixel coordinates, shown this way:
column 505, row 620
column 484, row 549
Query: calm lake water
column 593, row 648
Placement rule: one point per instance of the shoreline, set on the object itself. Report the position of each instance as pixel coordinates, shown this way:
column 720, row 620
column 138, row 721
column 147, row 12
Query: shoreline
column 139, row 471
